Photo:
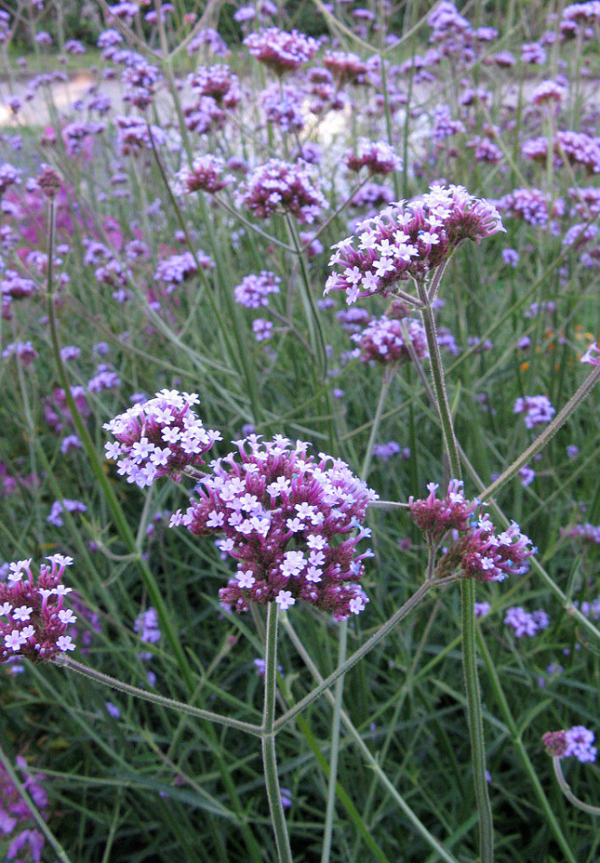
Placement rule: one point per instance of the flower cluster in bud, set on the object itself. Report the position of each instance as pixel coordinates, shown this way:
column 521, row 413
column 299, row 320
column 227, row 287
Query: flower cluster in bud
column 377, row 156
column 33, row 621
column 384, row 340
column 478, row 552
column 409, row 240
column 537, row 409
column 158, row 438
column 576, row 742
column 280, row 50
column 253, row 291
column 280, row 187
column 290, row 520
column 205, row 175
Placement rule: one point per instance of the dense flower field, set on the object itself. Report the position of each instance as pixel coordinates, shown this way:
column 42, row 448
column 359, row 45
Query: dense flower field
column 300, row 522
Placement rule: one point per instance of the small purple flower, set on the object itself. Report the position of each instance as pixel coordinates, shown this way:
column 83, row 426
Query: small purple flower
column 524, row 623
column 537, row 409
column 112, row 710
column 253, row 291
column 291, row 522
column 16, row 823
column 205, row 175
column 262, row 329
column 510, row 257
column 482, row 609
column 579, row 744
column 384, row 340
column 592, row 355
column 527, row 475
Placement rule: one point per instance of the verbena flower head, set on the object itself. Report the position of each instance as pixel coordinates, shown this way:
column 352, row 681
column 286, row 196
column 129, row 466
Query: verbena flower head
column 377, row 156
column 435, row 516
column 290, row 520
column 161, row 437
column 33, row 622
column 219, row 82
column 384, row 340
column 280, row 50
column 576, row 742
column 409, row 240
column 479, row 553
column 280, row 187
column 205, row 175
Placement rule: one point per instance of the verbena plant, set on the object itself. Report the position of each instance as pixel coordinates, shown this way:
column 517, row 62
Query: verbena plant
column 300, row 517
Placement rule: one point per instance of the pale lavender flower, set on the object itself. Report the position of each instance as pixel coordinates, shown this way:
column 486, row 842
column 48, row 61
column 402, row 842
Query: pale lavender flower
column 592, row 355
column 525, row 623
column 279, row 50
column 262, row 329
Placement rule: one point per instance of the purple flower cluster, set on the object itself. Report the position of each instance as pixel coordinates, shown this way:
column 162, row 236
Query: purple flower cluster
column 588, row 532
column 531, row 205
column 524, row 622
column 576, row 742
column 280, row 187
column 280, row 50
column 479, row 553
column 537, row 409
column 377, row 156
column 178, row 268
column 218, row 82
column 384, row 451
column 384, row 340
column 437, row 516
column 26, row 840
column 33, row 621
column 409, row 240
column 253, row 291
column 346, row 68
column 158, row 438
column 291, row 521
column 64, row 505
column 205, row 175
column 283, row 107
column 576, row 147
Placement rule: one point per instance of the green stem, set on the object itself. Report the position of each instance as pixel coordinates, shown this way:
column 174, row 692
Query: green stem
column 335, row 747
column 368, row 756
column 518, row 743
column 372, row 642
column 467, row 587
column 566, row 790
column 284, row 852
column 388, row 376
column 104, row 679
